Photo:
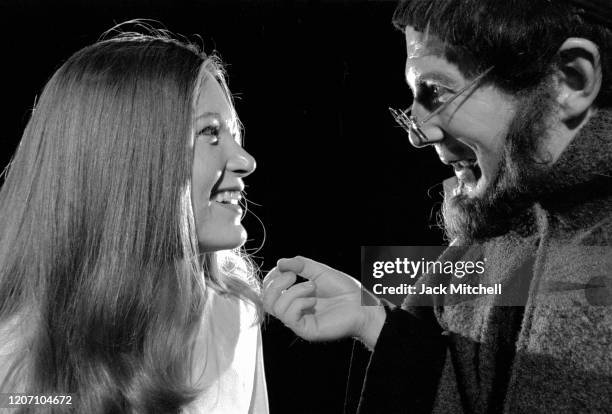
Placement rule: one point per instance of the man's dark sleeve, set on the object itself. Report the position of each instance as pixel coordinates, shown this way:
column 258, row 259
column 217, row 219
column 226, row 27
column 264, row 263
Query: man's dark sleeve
column 403, row 371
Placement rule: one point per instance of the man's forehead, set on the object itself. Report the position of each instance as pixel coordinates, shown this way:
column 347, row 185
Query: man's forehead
column 421, row 44
column 426, row 57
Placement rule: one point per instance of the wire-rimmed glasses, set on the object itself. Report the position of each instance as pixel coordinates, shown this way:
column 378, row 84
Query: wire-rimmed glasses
column 414, row 127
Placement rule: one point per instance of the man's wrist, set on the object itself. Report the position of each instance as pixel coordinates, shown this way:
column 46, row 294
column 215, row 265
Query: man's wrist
column 374, row 320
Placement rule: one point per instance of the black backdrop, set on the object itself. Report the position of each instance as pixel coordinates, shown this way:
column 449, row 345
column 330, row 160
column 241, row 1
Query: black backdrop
column 313, row 81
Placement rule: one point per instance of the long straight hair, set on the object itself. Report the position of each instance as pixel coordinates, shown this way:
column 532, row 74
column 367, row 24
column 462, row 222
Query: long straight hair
column 99, row 260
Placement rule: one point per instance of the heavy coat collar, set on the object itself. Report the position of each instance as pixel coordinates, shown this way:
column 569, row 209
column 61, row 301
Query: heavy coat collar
column 579, row 190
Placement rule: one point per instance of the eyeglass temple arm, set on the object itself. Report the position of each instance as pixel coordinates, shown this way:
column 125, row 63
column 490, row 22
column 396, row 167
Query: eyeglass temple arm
column 455, row 96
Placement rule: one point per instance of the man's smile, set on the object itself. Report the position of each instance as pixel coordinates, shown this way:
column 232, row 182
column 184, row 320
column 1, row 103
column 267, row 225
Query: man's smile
column 468, row 173
column 466, row 168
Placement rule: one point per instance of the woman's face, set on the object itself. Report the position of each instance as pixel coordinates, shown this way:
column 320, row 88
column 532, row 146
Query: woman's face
column 219, row 165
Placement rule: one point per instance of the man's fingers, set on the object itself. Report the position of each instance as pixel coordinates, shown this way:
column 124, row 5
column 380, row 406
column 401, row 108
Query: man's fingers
column 278, row 282
column 287, row 297
column 294, row 264
column 293, row 317
column 304, row 267
column 272, row 274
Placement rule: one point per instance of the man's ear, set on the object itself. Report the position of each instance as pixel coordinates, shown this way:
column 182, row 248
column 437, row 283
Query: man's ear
column 579, row 77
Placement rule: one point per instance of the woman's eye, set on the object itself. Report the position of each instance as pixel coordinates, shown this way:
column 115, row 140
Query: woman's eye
column 212, row 132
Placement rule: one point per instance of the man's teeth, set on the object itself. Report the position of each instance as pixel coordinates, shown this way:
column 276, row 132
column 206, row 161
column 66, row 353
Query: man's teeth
column 468, row 173
column 464, row 164
column 228, row 197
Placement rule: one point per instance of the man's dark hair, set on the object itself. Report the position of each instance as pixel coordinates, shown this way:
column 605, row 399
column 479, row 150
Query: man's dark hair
column 521, row 38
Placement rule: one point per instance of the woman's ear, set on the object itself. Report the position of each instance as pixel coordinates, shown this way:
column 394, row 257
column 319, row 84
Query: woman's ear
column 578, row 77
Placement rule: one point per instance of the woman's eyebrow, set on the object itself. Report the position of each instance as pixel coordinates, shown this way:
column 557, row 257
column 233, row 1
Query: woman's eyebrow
column 215, row 115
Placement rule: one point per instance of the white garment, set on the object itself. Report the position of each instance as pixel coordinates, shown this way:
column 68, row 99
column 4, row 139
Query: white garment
column 228, row 359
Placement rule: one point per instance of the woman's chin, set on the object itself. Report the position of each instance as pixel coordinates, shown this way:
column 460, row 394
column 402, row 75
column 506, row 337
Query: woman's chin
column 224, row 240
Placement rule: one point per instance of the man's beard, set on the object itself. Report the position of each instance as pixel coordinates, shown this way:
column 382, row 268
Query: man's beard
column 519, row 179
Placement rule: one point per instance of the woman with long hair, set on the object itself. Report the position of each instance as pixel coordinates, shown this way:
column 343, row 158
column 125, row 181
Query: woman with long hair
column 122, row 282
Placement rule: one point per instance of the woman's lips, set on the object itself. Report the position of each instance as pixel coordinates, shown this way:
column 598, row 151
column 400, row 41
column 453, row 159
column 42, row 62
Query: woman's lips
column 228, row 199
column 227, row 196
column 235, row 208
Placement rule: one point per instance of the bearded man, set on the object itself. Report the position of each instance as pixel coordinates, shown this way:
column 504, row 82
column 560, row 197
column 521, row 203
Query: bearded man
column 517, row 97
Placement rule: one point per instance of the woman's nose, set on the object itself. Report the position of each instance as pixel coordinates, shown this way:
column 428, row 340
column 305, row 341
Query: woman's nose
column 242, row 163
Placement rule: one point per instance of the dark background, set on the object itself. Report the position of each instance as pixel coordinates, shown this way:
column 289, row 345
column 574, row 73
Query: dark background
column 313, row 80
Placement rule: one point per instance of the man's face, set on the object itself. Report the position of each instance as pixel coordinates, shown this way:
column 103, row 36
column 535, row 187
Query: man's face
column 470, row 132
column 487, row 136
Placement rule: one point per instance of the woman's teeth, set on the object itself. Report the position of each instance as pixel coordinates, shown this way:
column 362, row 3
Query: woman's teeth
column 228, row 197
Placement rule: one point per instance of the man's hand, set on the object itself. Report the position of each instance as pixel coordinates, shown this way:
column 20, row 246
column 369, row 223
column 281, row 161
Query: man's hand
column 326, row 307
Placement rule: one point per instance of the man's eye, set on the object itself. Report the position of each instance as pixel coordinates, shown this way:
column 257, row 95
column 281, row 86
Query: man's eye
column 212, row 132
column 431, row 95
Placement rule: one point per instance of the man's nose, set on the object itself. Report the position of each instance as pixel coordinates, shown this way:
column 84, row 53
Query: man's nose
column 241, row 162
column 428, row 132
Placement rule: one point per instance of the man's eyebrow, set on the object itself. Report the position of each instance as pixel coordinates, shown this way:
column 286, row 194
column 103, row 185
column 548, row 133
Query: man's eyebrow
column 439, row 77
